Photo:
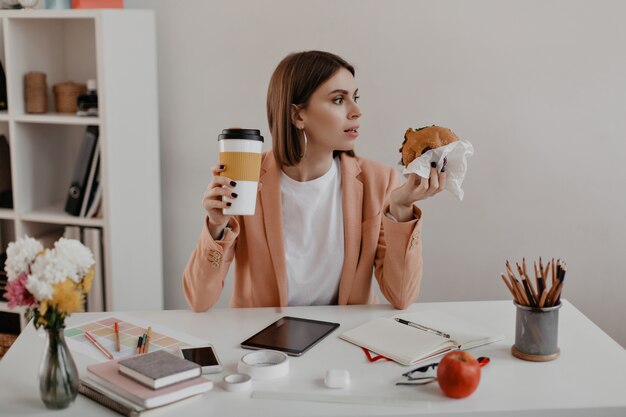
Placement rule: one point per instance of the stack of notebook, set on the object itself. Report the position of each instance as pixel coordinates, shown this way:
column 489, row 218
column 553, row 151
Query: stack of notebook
column 143, row 382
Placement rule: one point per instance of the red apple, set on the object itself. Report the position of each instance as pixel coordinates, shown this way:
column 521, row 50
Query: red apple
column 458, row 374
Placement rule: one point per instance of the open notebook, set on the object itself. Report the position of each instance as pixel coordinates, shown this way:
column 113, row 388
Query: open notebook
column 408, row 345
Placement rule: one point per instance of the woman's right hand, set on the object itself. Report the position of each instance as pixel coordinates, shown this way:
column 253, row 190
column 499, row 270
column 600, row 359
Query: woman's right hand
column 212, row 201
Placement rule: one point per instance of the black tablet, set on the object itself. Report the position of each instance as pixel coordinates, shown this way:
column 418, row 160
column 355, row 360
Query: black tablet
column 292, row 335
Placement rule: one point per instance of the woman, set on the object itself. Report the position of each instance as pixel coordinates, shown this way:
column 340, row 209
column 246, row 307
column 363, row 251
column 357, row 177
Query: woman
column 325, row 219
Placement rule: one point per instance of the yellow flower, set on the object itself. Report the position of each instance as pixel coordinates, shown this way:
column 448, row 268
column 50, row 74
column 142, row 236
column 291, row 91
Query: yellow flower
column 66, row 298
column 43, row 307
column 87, row 281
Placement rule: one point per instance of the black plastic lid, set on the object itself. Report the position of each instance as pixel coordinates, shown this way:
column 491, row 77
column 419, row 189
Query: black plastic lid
column 237, row 133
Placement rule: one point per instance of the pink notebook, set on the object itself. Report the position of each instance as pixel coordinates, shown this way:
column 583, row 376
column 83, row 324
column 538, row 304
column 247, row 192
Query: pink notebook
column 107, row 374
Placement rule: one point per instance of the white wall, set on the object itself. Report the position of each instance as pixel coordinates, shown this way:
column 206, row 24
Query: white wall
column 537, row 86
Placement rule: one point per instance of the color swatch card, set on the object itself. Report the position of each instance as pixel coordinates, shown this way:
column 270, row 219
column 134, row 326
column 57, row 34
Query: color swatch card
column 130, row 330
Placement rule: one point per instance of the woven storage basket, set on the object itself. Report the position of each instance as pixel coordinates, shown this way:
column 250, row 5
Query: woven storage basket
column 65, row 95
column 35, row 92
column 6, row 340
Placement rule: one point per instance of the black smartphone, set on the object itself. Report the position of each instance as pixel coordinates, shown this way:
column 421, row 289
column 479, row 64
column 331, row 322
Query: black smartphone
column 204, row 356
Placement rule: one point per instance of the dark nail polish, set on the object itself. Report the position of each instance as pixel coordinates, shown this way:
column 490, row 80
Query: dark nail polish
column 221, row 166
column 433, row 164
column 233, row 183
column 229, row 204
column 234, row 195
column 443, row 169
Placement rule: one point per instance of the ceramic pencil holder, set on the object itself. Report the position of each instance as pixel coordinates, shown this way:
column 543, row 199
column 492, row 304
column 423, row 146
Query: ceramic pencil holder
column 536, row 333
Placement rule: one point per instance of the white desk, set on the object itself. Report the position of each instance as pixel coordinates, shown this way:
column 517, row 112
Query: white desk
column 589, row 378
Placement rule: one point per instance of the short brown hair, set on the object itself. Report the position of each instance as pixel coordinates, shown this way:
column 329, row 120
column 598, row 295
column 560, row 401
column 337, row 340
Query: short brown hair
column 294, row 80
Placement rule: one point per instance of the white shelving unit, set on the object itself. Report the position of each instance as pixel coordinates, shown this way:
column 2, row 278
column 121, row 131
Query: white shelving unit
column 118, row 49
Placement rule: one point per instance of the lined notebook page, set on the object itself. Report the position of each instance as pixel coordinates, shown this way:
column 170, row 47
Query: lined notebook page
column 465, row 333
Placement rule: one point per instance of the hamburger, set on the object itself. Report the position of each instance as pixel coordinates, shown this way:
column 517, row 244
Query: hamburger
column 419, row 141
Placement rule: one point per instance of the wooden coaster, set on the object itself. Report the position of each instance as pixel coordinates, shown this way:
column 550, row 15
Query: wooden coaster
column 535, row 358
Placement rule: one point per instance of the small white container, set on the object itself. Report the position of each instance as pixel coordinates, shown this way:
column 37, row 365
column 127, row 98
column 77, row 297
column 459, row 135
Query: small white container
column 337, row 378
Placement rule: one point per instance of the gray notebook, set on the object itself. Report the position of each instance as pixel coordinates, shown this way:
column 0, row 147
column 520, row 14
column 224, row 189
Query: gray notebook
column 159, row 369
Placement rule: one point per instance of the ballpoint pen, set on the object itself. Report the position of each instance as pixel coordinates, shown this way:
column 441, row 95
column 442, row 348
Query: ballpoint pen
column 421, row 327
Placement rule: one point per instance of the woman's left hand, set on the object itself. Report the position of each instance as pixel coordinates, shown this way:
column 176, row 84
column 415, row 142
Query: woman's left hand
column 416, row 188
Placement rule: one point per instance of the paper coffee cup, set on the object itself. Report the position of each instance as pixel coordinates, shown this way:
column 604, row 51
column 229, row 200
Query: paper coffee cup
column 240, row 153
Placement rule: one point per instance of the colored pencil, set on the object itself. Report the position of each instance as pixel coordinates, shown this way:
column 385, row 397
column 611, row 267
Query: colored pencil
column 117, row 336
column 542, row 299
column 148, row 336
column 98, row 345
column 527, row 286
column 139, row 341
column 547, row 292
column 513, row 293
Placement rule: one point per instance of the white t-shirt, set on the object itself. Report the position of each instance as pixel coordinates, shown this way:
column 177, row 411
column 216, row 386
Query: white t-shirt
column 313, row 234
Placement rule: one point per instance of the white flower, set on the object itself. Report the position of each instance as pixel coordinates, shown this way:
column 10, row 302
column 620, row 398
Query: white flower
column 75, row 254
column 39, row 287
column 20, row 255
column 68, row 260
column 51, row 268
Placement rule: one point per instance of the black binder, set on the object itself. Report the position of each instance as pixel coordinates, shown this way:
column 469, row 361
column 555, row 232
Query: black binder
column 4, row 105
column 6, row 195
column 76, row 192
column 92, row 182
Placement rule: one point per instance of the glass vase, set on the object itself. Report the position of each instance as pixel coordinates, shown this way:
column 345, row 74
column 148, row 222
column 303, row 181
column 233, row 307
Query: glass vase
column 58, row 376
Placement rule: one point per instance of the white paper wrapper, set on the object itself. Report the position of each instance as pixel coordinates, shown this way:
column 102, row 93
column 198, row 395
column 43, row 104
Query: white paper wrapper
column 457, row 154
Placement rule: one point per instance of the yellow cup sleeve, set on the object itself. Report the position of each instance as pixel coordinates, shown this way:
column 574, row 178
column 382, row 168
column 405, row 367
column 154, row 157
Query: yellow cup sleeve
column 241, row 166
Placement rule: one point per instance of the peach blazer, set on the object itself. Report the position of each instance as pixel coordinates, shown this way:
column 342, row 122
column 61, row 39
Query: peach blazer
column 373, row 243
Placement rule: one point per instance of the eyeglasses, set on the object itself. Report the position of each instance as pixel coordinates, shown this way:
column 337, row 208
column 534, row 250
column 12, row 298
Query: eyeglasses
column 422, row 369
column 423, row 380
